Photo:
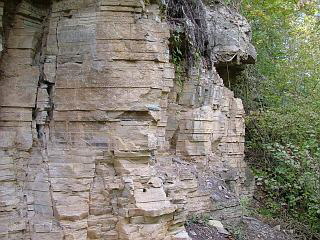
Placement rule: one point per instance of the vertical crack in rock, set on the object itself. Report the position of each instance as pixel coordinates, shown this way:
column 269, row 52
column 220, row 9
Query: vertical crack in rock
column 90, row 198
column 24, row 115
column 57, row 39
column 44, row 100
column 42, row 116
column 43, row 112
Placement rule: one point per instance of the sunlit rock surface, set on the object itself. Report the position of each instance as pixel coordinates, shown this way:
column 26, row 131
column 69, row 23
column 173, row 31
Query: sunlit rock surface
column 97, row 140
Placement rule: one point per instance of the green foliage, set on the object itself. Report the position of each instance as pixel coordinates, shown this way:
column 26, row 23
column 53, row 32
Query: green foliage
column 283, row 147
column 245, row 206
column 291, row 181
column 287, row 40
column 282, row 98
column 233, row 3
column 177, row 45
column 238, row 231
column 199, row 218
column 146, row 2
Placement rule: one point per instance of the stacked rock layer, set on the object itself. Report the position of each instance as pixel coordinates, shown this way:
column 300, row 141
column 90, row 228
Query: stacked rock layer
column 97, row 140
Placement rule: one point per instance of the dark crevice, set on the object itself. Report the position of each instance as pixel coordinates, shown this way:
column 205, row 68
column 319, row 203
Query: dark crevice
column 42, row 113
column 229, row 74
column 50, row 91
column 135, row 116
column 174, row 139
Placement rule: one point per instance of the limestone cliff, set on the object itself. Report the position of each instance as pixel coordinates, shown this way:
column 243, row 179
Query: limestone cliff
column 98, row 139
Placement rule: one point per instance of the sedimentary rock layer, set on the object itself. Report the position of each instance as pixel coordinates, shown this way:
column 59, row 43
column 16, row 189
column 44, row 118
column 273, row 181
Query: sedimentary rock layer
column 97, row 140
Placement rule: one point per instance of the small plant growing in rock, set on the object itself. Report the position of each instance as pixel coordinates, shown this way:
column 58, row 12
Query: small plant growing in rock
column 199, row 218
column 177, row 41
column 238, row 232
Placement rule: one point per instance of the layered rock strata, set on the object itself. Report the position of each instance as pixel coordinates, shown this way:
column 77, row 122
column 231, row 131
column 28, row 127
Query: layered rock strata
column 97, row 140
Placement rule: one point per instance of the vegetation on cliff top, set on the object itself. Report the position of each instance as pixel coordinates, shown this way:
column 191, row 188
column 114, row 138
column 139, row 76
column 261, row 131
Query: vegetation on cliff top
column 282, row 98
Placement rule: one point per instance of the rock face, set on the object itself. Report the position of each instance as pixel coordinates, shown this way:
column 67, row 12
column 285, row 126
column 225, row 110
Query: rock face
column 97, row 140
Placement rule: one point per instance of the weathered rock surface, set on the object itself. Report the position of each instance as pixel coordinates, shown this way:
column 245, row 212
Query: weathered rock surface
column 97, row 140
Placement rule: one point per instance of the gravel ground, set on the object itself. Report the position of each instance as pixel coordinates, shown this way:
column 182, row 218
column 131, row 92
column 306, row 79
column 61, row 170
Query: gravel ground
column 247, row 229
column 199, row 231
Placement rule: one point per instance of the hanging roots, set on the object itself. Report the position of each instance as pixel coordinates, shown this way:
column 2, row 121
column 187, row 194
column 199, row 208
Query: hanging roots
column 187, row 21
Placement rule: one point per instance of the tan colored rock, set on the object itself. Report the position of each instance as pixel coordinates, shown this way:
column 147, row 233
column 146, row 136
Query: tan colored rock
column 94, row 142
column 156, row 182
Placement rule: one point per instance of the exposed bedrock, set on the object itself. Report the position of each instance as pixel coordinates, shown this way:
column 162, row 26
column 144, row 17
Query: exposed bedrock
column 97, row 139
